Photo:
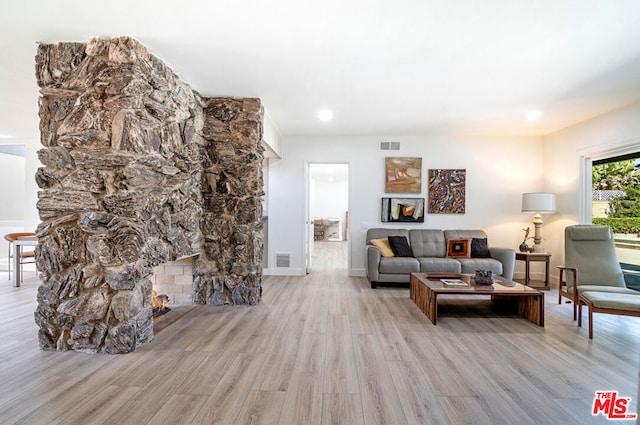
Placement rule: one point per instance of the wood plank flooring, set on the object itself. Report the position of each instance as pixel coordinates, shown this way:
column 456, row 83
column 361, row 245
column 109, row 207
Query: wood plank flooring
column 324, row 349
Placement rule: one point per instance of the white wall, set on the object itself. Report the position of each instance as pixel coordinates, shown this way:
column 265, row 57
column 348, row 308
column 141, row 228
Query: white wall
column 12, row 195
column 499, row 170
column 32, row 163
column 615, row 132
column 330, row 190
column 330, row 199
column 18, row 192
column 271, row 135
column 12, row 200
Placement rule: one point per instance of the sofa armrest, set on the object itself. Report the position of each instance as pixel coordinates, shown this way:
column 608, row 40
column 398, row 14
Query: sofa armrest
column 373, row 261
column 507, row 256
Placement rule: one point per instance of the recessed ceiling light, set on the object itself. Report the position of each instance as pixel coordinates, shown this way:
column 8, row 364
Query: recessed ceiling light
column 325, row 115
column 5, row 136
column 533, row 115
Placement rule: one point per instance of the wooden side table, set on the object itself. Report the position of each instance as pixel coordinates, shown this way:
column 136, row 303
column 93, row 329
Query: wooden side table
column 529, row 257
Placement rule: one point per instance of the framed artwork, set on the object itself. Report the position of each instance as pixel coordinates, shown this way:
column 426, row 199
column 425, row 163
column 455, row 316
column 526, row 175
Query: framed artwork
column 402, row 210
column 447, row 191
column 403, row 175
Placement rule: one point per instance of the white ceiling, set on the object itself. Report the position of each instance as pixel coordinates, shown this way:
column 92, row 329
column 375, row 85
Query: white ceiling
column 406, row 67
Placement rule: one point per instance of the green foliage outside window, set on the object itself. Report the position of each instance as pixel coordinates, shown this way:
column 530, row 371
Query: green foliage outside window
column 624, row 176
column 615, row 175
column 626, row 206
column 620, row 225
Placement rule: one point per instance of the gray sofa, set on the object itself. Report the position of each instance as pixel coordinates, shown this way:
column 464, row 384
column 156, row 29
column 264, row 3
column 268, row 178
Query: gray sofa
column 429, row 248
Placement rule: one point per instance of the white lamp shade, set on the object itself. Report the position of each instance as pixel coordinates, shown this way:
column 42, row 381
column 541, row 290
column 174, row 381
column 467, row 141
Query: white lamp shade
column 539, row 202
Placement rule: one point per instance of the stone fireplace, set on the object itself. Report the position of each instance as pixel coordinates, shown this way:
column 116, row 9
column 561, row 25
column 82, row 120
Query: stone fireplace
column 139, row 170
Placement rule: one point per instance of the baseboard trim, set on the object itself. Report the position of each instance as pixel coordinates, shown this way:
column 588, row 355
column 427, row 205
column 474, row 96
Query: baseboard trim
column 283, row 272
column 358, row 273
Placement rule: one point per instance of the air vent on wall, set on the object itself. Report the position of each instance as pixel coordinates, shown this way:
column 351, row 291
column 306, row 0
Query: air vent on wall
column 389, row 146
column 283, row 259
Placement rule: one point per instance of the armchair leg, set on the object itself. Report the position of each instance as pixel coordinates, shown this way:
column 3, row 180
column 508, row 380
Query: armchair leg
column 590, row 322
column 579, row 314
column 575, row 307
column 9, row 258
column 560, row 285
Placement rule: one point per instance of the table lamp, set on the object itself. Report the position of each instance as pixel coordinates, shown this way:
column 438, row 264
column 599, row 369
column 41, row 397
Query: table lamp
column 538, row 203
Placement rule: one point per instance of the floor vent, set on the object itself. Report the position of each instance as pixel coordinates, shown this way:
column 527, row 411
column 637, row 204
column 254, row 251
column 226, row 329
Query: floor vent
column 283, row 259
column 389, row 146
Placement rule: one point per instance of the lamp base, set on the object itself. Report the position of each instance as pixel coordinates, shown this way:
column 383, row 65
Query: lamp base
column 537, row 237
column 538, row 249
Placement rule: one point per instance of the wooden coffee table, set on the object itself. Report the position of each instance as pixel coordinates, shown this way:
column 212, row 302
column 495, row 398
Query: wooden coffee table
column 425, row 288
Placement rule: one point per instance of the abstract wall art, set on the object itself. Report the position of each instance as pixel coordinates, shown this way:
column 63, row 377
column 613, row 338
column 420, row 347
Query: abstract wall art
column 402, row 210
column 447, row 191
column 403, row 175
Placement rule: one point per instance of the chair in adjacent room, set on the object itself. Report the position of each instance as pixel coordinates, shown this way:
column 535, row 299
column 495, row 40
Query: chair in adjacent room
column 592, row 267
column 26, row 256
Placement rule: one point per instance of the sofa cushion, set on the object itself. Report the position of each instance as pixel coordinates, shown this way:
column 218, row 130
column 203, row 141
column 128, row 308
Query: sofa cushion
column 470, row 265
column 428, row 243
column 613, row 300
column 395, row 265
column 400, row 246
column 383, row 245
column 459, row 248
column 439, row 265
column 603, row 288
column 480, row 248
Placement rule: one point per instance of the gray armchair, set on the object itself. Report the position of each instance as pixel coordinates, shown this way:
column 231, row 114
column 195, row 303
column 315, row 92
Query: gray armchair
column 591, row 265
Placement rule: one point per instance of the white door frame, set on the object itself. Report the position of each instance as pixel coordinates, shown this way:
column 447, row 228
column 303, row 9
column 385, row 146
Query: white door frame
column 307, row 247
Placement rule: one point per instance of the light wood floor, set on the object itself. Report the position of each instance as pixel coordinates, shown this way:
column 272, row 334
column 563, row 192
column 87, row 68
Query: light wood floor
column 323, row 349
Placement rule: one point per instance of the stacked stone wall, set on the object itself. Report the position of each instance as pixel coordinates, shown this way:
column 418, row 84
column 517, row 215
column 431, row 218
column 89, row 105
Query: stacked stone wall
column 132, row 171
column 229, row 271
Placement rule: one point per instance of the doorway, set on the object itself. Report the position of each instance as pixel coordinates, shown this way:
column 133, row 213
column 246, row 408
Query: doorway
column 327, row 244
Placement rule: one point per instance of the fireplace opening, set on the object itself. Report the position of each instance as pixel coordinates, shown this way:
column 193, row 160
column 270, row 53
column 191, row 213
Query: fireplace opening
column 159, row 304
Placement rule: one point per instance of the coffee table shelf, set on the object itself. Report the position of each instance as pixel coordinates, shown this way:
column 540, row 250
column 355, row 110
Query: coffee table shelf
column 424, row 291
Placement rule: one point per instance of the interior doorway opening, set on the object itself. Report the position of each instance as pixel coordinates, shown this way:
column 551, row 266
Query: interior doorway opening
column 328, row 216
